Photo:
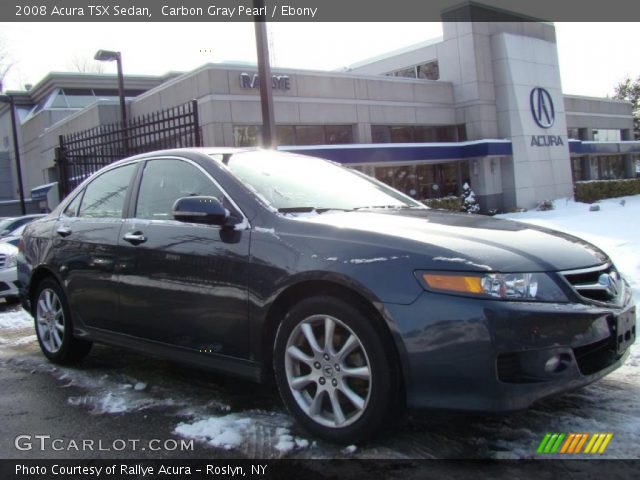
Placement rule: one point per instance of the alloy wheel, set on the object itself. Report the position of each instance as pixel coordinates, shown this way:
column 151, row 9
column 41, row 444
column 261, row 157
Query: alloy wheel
column 50, row 320
column 328, row 371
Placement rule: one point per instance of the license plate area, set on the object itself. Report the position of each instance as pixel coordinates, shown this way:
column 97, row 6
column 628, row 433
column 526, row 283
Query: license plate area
column 625, row 329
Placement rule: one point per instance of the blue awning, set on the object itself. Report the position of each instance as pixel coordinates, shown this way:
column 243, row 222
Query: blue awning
column 580, row 147
column 404, row 152
column 40, row 192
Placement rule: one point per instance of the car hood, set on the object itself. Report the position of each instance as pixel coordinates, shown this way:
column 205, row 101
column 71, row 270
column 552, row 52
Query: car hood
column 460, row 242
column 7, row 248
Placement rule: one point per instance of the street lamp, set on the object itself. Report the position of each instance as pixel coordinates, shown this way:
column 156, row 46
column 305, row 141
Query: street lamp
column 109, row 56
column 16, row 148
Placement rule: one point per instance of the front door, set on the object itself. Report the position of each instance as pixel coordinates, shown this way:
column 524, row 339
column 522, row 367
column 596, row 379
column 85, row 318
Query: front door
column 182, row 284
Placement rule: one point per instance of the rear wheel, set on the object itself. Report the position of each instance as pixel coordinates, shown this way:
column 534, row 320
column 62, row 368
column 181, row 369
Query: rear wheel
column 54, row 326
column 333, row 371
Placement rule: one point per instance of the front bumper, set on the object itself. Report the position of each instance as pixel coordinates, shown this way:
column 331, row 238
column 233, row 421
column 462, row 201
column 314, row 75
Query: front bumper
column 462, row 353
column 8, row 279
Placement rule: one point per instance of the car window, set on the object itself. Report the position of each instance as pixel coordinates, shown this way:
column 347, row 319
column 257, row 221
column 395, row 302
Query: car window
column 166, row 180
column 104, row 196
column 72, row 208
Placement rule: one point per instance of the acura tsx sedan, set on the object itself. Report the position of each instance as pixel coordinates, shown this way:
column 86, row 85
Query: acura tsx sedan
column 357, row 299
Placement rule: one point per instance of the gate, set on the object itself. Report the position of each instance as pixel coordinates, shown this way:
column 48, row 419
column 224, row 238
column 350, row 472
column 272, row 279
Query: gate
column 80, row 154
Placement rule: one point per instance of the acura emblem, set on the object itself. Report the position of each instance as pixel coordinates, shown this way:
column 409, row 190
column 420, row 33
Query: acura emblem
column 610, row 282
column 542, row 107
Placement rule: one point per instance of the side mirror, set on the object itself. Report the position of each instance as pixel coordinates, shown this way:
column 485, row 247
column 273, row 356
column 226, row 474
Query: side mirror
column 207, row 210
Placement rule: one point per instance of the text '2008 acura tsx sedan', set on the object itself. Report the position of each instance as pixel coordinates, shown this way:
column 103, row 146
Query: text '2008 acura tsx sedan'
column 356, row 298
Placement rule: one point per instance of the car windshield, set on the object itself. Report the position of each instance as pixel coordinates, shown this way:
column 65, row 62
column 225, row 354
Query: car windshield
column 6, row 224
column 291, row 182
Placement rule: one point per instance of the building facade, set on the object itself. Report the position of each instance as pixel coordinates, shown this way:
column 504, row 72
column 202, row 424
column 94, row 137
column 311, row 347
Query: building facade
column 483, row 104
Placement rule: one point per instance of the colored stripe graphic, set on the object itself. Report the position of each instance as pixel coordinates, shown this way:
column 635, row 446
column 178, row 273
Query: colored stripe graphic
column 572, row 443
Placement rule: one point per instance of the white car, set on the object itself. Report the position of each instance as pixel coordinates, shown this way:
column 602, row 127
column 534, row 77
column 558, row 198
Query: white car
column 8, row 272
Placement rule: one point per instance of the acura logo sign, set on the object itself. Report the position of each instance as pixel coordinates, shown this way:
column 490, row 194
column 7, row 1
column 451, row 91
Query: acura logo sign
column 542, row 107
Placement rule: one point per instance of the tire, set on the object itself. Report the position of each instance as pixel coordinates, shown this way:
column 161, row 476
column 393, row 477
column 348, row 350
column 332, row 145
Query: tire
column 51, row 313
column 342, row 391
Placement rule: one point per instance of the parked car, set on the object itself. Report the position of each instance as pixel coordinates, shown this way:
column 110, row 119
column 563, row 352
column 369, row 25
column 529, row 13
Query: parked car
column 358, row 299
column 14, row 237
column 8, row 226
column 8, row 273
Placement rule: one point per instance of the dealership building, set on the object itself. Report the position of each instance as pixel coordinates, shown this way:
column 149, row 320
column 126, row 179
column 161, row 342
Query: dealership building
column 483, row 104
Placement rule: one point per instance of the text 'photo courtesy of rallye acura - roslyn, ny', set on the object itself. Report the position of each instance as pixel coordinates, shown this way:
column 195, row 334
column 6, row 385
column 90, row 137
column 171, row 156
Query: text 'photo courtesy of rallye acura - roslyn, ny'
column 357, row 299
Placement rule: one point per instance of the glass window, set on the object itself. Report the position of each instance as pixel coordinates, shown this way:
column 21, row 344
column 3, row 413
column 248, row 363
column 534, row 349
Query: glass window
column 246, row 135
column 72, row 208
column 249, row 135
column 611, row 167
column 430, row 70
column 165, row 181
column 380, row 134
column 606, row 135
column 338, row 134
column 417, row 133
column 104, row 196
column 286, row 135
column 576, row 169
column 405, row 72
column 573, row 133
column 310, row 135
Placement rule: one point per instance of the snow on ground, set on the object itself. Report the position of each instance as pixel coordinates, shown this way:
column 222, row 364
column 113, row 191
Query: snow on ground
column 250, row 421
column 15, row 319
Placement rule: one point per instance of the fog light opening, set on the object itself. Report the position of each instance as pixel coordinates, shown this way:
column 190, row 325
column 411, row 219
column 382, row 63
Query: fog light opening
column 558, row 363
column 552, row 364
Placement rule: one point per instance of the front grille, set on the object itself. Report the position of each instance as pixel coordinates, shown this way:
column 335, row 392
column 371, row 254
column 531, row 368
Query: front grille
column 3, row 259
column 601, row 284
column 594, row 357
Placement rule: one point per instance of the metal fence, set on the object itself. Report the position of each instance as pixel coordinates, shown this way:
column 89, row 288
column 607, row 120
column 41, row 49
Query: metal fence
column 80, row 154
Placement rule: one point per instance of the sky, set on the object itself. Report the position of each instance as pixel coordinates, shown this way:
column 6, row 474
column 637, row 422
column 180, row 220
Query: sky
column 593, row 56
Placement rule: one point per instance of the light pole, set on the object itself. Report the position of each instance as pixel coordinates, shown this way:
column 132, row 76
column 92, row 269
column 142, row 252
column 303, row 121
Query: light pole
column 109, row 56
column 264, row 74
column 16, row 148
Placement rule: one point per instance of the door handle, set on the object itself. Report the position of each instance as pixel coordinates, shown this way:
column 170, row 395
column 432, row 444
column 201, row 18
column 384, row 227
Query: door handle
column 63, row 231
column 135, row 238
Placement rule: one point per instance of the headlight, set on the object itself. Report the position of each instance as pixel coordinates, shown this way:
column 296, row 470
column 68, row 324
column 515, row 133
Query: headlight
column 11, row 261
column 500, row 286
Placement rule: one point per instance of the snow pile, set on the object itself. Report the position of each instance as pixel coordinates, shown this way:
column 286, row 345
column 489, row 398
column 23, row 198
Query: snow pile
column 287, row 442
column 14, row 319
column 234, row 431
column 227, row 432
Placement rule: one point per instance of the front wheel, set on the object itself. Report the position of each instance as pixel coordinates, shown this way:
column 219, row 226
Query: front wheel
column 54, row 327
column 333, row 371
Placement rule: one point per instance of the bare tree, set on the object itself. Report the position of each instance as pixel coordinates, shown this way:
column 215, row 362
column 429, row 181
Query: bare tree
column 84, row 64
column 629, row 89
column 6, row 62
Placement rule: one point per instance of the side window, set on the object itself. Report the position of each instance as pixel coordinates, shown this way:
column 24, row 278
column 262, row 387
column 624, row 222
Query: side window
column 72, row 209
column 104, row 196
column 164, row 181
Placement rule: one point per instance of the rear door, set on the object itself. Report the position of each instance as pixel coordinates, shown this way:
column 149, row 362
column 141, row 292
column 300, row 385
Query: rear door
column 183, row 284
column 85, row 245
